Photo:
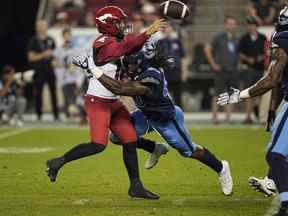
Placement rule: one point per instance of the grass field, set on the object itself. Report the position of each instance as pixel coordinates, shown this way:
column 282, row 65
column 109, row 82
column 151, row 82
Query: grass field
column 97, row 186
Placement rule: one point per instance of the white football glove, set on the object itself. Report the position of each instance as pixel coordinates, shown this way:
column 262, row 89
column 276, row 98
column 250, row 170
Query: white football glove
column 229, row 97
column 87, row 63
column 80, row 61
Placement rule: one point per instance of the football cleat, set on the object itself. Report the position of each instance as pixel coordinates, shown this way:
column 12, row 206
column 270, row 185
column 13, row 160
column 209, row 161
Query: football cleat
column 282, row 212
column 137, row 190
column 53, row 167
column 160, row 149
column 225, row 179
column 266, row 185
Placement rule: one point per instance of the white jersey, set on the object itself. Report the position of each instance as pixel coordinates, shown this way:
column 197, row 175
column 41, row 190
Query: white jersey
column 95, row 87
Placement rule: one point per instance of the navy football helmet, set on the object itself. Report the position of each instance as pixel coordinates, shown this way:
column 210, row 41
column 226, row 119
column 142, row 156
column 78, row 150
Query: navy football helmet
column 282, row 22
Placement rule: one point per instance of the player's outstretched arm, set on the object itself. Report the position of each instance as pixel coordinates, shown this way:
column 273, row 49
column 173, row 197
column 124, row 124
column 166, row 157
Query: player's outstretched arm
column 266, row 83
column 130, row 43
column 130, row 88
column 272, row 77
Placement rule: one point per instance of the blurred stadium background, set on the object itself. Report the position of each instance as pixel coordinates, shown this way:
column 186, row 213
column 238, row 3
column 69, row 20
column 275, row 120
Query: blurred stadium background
column 192, row 85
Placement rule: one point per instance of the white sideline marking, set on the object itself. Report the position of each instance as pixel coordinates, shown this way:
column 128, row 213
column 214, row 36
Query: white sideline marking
column 23, row 150
column 8, row 134
column 275, row 204
column 81, row 202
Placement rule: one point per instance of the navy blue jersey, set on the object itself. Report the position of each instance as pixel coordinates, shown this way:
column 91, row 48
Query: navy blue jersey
column 280, row 39
column 158, row 106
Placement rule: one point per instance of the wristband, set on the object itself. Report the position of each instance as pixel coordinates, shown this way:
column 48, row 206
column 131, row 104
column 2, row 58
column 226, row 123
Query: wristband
column 97, row 73
column 244, row 94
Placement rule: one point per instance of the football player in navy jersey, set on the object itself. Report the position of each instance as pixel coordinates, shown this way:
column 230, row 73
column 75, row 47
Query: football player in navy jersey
column 276, row 79
column 157, row 112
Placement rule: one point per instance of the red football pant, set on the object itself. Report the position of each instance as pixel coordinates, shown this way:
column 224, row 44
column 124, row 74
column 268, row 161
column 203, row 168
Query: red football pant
column 104, row 114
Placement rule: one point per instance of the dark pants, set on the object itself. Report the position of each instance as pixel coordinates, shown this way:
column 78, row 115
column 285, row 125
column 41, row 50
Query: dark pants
column 39, row 84
column 69, row 93
column 175, row 87
column 224, row 80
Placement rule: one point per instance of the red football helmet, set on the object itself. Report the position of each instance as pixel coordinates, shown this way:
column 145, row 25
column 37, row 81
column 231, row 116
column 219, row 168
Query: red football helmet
column 111, row 20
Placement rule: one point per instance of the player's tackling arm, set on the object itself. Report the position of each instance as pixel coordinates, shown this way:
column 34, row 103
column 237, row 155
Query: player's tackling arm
column 130, row 88
column 271, row 78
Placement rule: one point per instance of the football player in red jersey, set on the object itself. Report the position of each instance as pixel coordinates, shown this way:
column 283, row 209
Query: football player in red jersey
column 105, row 111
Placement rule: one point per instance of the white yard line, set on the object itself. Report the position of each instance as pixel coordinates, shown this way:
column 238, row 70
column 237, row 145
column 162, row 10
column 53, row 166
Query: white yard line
column 25, row 150
column 15, row 132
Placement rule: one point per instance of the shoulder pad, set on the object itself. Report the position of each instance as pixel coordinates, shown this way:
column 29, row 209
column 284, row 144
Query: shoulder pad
column 151, row 80
column 151, row 75
column 280, row 39
column 102, row 40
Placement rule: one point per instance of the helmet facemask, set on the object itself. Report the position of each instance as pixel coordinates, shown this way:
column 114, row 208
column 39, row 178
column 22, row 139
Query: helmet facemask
column 132, row 64
column 123, row 27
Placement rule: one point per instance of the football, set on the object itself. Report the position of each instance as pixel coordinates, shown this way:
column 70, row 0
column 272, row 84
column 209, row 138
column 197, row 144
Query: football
column 174, row 9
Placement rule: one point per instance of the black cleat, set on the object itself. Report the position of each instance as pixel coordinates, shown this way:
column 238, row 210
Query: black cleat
column 53, row 167
column 282, row 212
column 138, row 191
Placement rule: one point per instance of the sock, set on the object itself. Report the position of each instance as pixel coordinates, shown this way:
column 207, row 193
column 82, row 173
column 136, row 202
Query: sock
column 146, row 145
column 83, row 150
column 206, row 157
column 279, row 172
column 131, row 162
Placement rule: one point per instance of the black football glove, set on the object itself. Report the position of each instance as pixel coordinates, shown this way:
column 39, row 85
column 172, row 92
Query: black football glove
column 270, row 120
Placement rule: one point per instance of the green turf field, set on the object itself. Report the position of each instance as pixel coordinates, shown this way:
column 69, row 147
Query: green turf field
column 98, row 186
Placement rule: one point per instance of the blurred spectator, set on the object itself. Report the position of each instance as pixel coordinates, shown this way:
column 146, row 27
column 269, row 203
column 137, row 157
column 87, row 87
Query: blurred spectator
column 69, row 4
column 71, row 78
column 62, row 20
column 89, row 20
column 251, row 53
column 222, row 55
column 137, row 23
column 171, row 45
column 12, row 102
column 264, row 12
column 40, row 55
column 149, row 13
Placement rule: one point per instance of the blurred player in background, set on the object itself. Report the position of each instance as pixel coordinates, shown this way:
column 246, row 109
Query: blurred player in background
column 40, row 55
column 176, row 75
column 251, row 53
column 12, row 102
column 157, row 112
column 105, row 111
column 69, row 76
column 277, row 79
column 222, row 55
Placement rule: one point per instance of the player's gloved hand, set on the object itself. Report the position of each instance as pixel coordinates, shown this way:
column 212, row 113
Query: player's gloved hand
column 229, row 97
column 270, row 120
column 80, row 61
column 87, row 63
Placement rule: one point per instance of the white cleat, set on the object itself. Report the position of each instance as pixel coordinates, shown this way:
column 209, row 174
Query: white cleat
column 266, row 185
column 160, row 149
column 225, row 179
